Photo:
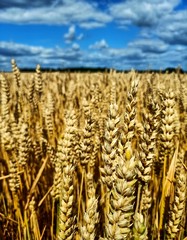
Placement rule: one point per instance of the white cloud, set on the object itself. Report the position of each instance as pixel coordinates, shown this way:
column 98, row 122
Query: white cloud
column 102, row 44
column 24, row 3
column 28, row 56
column 90, row 25
column 71, row 36
column 149, row 45
column 129, row 54
column 75, row 47
column 13, row 49
column 62, row 12
column 173, row 28
column 136, row 55
column 80, row 37
column 144, row 14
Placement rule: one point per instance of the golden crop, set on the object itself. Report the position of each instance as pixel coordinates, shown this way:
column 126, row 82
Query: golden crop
column 93, row 155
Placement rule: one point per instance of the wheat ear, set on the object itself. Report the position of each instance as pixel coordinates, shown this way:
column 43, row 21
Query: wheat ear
column 66, row 219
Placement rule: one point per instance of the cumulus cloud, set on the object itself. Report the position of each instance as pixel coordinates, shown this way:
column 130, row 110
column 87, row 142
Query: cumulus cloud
column 129, row 54
column 119, row 58
column 71, row 36
column 50, row 12
column 144, row 14
column 10, row 49
column 75, row 47
column 156, row 19
column 91, row 24
column 28, row 56
column 80, row 36
column 102, row 44
column 135, row 55
column 149, row 45
column 24, row 3
column 173, row 28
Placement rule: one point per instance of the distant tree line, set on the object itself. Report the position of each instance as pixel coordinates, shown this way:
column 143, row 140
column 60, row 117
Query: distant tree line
column 85, row 69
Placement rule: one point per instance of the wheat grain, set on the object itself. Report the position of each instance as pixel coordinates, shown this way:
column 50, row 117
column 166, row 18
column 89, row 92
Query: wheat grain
column 66, row 220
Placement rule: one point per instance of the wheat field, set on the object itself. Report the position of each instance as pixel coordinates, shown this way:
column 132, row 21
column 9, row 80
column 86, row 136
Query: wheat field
column 93, row 155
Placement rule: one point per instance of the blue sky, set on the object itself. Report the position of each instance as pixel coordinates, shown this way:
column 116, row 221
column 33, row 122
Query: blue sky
column 121, row 34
